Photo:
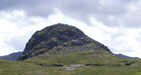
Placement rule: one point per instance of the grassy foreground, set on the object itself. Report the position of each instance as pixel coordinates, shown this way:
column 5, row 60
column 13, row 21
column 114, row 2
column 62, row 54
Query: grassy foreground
column 90, row 62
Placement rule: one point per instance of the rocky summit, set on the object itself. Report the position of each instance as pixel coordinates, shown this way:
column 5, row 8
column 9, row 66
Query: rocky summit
column 59, row 38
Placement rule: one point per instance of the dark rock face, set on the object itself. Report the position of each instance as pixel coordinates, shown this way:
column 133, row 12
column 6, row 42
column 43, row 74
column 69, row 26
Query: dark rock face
column 56, row 36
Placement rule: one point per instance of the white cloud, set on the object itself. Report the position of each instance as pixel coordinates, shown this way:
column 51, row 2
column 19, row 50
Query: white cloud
column 16, row 29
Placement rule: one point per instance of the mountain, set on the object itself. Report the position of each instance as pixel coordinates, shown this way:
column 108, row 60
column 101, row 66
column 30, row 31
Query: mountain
column 60, row 38
column 12, row 56
column 121, row 55
column 62, row 49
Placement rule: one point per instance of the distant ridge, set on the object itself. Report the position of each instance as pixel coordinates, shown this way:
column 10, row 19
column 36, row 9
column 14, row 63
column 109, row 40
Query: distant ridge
column 12, row 56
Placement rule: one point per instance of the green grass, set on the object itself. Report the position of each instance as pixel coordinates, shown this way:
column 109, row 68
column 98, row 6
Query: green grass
column 81, row 57
column 112, row 65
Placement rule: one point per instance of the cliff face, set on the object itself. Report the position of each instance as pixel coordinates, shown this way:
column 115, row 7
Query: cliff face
column 59, row 38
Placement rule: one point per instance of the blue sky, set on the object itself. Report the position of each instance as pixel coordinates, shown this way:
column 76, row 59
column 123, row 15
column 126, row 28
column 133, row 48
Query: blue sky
column 115, row 23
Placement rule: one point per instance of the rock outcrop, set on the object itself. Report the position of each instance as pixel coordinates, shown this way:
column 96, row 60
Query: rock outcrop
column 59, row 38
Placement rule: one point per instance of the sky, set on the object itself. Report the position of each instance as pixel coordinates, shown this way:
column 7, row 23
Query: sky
column 115, row 23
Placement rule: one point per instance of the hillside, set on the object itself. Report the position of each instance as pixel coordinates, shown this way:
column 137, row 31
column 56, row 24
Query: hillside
column 62, row 49
column 60, row 38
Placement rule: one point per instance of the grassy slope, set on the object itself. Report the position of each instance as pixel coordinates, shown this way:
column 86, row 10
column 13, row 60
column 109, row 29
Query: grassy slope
column 111, row 65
